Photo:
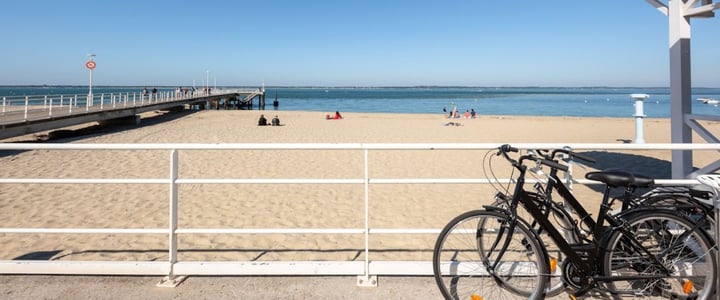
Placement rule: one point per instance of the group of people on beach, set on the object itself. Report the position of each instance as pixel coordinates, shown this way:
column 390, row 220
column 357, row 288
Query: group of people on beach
column 262, row 121
column 469, row 114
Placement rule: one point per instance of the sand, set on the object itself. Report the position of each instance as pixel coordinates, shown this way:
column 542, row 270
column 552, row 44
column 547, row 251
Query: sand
column 283, row 206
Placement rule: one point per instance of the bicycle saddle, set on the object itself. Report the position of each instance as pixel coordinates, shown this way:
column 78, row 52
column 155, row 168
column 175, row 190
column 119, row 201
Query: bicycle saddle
column 616, row 177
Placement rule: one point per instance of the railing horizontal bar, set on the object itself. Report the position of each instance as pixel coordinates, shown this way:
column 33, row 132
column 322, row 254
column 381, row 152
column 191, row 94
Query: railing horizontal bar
column 403, row 231
column 431, row 180
column 269, row 268
column 84, row 180
column 417, row 268
column 352, row 146
column 84, row 267
column 267, row 181
column 86, row 230
column 269, row 230
column 304, row 181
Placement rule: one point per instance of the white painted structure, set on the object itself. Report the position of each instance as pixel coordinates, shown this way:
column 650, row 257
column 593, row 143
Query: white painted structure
column 679, row 13
column 174, row 269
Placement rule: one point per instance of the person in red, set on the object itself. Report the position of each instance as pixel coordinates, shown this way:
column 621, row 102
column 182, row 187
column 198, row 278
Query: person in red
column 337, row 115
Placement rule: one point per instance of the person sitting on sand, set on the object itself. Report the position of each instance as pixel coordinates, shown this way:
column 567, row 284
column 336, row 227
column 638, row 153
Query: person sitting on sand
column 467, row 114
column 276, row 121
column 337, row 116
column 472, row 113
column 262, row 121
column 452, row 124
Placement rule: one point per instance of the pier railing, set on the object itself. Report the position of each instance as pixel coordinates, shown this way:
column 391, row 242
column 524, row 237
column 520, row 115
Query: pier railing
column 25, row 108
column 174, row 269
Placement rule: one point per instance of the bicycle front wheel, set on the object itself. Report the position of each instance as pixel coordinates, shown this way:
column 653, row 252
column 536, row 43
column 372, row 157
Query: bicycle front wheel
column 511, row 262
column 681, row 264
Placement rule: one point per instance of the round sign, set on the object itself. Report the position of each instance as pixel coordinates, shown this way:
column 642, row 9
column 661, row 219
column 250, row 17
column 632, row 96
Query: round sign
column 90, row 65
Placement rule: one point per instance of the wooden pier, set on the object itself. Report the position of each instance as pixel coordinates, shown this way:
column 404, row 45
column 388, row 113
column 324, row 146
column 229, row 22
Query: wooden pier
column 30, row 115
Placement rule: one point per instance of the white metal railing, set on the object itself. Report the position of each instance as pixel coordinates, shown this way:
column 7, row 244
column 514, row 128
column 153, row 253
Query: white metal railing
column 365, row 270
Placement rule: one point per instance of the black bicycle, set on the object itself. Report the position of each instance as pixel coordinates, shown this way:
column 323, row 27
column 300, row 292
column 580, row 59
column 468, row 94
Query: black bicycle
column 642, row 251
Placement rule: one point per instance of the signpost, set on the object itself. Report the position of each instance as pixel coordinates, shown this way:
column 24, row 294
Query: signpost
column 90, row 64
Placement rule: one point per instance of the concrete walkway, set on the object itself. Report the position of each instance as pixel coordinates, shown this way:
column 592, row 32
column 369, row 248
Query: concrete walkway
column 134, row 287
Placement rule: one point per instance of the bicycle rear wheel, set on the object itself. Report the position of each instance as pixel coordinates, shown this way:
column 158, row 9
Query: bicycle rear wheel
column 512, row 262
column 684, row 250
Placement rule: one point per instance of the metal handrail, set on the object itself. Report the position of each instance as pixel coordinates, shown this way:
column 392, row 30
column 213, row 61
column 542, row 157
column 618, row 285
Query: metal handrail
column 173, row 267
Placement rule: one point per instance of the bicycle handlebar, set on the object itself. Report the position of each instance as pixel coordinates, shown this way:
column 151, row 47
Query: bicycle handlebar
column 573, row 155
column 543, row 158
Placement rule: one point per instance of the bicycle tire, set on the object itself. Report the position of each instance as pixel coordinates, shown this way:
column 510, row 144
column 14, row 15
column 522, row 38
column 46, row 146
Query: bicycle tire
column 685, row 250
column 565, row 223
column 461, row 272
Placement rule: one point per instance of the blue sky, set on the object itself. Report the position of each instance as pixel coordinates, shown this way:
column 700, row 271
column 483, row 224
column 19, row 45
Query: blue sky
column 348, row 43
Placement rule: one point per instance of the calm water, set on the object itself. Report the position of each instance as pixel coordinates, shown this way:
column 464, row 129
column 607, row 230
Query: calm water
column 595, row 102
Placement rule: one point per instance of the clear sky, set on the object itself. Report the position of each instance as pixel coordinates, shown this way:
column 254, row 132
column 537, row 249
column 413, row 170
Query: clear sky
column 348, row 43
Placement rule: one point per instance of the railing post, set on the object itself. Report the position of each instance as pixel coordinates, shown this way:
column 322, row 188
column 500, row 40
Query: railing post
column 45, row 102
column 61, row 100
column 3, row 109
column 50, row 110
column 87, row 103
column 27, row 99
column 367, row 280
column 171, row 280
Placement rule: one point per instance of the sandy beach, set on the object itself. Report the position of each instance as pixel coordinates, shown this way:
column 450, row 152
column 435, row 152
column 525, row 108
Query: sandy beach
column 289, row 205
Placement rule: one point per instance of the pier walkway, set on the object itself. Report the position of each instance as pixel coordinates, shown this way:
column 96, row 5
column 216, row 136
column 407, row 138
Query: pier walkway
column 29, row 114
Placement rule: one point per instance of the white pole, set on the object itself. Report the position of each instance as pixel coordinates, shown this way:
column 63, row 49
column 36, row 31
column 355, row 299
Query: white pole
column 3, row 111
column 173, row 212
column 61, row 100
column 639, row 116
column 45, row 102
column 26, row 106
column 90, row 92
column 50, row 110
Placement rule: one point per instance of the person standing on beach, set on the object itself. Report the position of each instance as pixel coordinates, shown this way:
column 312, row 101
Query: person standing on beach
column 154, row 92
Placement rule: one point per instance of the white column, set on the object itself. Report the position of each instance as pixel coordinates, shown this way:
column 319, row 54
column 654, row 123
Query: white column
column 639, row 116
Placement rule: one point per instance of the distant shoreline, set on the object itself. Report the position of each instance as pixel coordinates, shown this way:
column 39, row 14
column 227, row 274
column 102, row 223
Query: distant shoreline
column 362, row 87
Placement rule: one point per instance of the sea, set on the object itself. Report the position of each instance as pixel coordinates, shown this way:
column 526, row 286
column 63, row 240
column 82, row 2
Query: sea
column 534, row 101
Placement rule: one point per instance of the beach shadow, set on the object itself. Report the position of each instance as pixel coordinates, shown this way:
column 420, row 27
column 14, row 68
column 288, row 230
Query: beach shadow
column 633, row 163
column 38, row 255
column 52, row 255
column 66, row 135
column 639, row 164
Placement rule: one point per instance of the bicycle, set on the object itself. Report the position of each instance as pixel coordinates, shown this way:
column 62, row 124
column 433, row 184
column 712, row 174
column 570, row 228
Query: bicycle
column 644, row 250
column 693, row 201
